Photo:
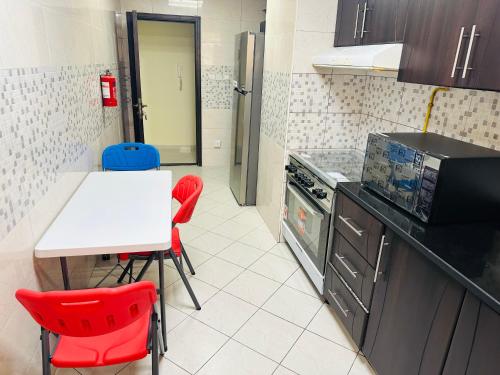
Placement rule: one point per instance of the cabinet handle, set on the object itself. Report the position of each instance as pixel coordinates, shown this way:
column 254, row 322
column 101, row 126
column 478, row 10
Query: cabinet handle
column 334, row 297
column 356, row 23
column 381, row 247
column 346, row 266
column 364, row 20
column 457, row 54
column 359, row 232
column 467, row 57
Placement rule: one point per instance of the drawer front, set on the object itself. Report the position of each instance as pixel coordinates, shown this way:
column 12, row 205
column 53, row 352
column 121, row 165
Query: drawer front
column 353, row 268
column 360, row 228
column 348, row 310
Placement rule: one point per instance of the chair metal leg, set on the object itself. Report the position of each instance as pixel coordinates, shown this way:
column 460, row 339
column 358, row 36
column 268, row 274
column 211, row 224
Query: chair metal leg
column 154, row 344
column 44, row 337
column 188, row 262
column 125, row 271
column 184, row 279
column 131, row 271
column 145, row 268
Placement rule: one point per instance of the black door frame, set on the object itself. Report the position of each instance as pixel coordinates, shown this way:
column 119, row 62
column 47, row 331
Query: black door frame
column 134, row 72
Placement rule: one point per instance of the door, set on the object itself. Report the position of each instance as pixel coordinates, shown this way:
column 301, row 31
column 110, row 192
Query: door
column 436, row 38
column 165, row 81
column 481, row 55
column 308, row 223
column 135, row 77
column 414, row 310
column 166, row 51
column 242, row 106
column 380, row 21
column 348, row 26
column 475, row 348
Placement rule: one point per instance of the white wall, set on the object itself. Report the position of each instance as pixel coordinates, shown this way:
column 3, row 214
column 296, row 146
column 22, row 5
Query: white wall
column 280, row 29
column 221, row 20
column 52, row 130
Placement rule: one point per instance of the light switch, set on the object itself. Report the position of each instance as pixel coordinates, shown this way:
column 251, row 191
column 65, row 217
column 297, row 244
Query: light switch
column 217, row 143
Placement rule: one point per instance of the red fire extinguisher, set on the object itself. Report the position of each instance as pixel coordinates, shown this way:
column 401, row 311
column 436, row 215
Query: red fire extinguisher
column 108, row 90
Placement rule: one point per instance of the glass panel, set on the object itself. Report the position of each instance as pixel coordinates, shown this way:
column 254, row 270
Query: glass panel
column 307, row 224
column 167, row 55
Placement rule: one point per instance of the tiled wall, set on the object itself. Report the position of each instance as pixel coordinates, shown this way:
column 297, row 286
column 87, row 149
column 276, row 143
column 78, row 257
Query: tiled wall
column 221, row 20
column 339, row 110
column 52, row 130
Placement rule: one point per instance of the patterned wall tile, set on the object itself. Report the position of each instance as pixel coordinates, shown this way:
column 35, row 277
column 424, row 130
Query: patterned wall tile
column 306, row 130
column 346, row 93
column 310, row 92
column 383, row 97
column 48, row 119
column 414, row 104
column 274, row 112
column 448, row 113
column 482, row 123
column 341, row 130
column 216, row 86
column 369, row 124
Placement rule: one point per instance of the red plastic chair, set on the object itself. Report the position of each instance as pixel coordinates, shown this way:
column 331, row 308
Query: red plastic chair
column 96, row 327
column 187, row 191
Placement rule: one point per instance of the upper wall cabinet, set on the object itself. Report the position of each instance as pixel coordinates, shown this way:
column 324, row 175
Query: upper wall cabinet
column 370, row 22
column 452, row 43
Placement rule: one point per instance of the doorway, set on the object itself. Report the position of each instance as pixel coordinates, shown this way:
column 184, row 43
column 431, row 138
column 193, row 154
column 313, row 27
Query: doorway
column 165, row 80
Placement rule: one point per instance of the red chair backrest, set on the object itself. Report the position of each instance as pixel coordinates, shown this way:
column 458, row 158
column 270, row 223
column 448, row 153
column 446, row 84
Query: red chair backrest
column 187, row 191
column 89, row 312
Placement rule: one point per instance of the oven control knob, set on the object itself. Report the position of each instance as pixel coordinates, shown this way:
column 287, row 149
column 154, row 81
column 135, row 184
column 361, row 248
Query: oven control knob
column 321, row 195
column 316, row 191
column 309, row 183
column 291, row 168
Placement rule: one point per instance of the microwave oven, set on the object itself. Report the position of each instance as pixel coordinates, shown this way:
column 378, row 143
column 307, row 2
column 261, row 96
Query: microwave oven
column 433, row 177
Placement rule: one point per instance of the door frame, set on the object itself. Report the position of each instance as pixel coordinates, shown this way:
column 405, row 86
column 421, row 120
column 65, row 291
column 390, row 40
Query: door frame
column 133, row 48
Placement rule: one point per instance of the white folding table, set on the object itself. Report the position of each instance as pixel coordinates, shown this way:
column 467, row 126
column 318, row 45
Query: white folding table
column 111, row 213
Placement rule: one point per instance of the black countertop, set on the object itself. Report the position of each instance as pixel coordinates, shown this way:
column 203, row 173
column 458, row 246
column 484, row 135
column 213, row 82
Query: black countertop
column 469, row 253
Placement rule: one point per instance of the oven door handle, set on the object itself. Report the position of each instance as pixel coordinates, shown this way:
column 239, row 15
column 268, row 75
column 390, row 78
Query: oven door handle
column 310, row 206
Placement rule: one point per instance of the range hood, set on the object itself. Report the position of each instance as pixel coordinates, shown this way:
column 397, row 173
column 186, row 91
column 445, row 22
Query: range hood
column 372, row 57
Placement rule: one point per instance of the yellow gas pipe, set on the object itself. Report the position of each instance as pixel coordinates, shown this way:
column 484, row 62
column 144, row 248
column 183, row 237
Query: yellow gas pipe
column 430, row 105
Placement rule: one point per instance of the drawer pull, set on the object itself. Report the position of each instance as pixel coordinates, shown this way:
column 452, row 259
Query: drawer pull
column 334, row 297
column 359, row 232
column 346, row 266
column 380, row 249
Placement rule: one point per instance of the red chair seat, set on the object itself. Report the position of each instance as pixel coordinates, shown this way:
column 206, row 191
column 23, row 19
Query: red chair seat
column 124, row 345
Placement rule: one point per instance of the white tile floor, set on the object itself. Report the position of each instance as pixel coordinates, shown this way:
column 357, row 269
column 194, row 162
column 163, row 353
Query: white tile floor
column 260, row 314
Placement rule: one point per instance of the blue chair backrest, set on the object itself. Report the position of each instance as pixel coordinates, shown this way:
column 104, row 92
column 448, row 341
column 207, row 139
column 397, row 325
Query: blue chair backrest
column 130, row 157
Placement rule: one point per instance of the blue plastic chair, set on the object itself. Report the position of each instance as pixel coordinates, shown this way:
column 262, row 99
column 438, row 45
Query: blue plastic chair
column 130, row 157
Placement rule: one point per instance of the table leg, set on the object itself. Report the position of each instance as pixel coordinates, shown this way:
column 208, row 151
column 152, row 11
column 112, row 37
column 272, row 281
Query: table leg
column 162, row 298
column 64, row 269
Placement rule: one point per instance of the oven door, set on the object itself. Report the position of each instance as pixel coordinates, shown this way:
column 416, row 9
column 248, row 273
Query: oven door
column 309, row 224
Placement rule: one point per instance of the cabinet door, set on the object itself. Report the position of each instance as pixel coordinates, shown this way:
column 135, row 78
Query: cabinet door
column 475, row 348
column 380, row 23
column 435, row 41
column 413, row 313
column 483, row 64
column 348, row 23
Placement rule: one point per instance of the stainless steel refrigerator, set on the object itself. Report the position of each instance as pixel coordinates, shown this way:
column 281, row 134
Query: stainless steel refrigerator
column 247, row 97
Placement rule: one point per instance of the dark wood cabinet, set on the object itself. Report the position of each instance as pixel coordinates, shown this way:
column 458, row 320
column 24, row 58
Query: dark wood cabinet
column 475, row 347
column 370, row 22
column 348, row 23
column 452, row 43
column 414, row 309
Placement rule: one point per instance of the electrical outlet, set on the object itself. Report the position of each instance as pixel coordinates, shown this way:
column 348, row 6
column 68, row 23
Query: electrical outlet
column 217, row 143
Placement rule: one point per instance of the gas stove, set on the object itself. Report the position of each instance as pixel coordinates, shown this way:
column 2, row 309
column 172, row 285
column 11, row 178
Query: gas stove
column 312, row 177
